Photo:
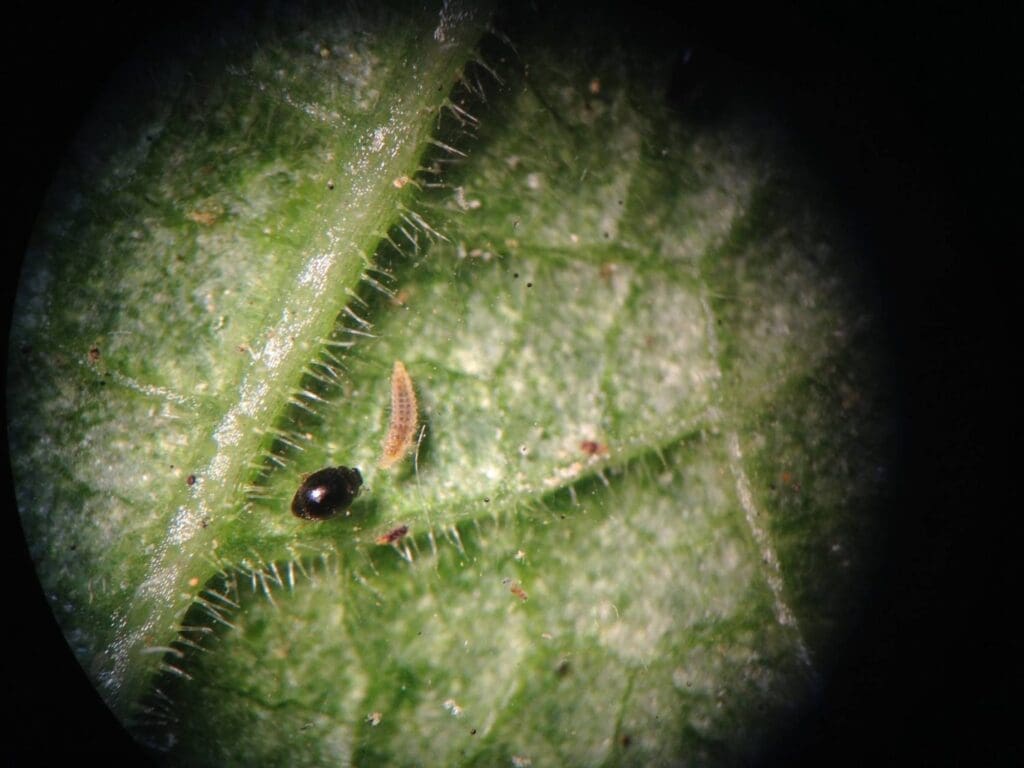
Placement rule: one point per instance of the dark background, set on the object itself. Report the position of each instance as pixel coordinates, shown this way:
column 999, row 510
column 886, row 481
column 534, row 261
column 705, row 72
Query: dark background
column 905, row 112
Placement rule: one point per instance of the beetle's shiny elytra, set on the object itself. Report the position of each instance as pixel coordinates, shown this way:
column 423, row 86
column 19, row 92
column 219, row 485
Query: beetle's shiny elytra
column 326, row 492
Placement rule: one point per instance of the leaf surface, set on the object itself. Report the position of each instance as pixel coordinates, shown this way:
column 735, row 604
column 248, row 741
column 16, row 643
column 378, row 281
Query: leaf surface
column 653, row 429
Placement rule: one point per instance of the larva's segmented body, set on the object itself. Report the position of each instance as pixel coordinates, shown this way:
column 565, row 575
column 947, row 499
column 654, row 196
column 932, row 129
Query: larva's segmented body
column 404, row 417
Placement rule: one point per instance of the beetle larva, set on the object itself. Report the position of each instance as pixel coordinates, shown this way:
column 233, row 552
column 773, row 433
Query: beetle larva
column 404, row 417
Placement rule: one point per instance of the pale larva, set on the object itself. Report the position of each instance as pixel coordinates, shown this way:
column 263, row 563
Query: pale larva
column 404, row 417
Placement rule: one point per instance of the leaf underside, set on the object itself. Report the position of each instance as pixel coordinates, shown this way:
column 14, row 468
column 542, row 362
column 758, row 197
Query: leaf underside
column 653, row 424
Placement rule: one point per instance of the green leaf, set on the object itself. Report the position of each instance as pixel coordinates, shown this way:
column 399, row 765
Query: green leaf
column 653, row 431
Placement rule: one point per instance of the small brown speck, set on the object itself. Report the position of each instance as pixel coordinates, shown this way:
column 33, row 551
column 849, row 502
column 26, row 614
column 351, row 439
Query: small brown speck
column 94, row 354
column 595, row 85
column 206, row 218
column 563, row 668
column 193, row 582
column 330, row 184
column 593, row 448
column 393, row 535
column 516, row 589
column 625, row 740
column 529, row 285
column 190, row 480
column 472, row 732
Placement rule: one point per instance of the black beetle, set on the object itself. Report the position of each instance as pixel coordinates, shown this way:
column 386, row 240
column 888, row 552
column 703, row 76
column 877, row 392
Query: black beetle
column 326, row 492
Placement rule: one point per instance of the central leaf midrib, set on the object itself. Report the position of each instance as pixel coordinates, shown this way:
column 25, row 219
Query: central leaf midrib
column 306, row 315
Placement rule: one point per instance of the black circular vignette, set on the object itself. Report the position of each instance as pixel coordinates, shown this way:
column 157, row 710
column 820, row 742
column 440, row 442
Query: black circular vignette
column 890, row 106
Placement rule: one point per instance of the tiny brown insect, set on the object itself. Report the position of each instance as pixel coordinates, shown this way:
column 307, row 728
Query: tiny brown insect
column 393, row 535
column 516, row 589
column 206, row 218
column 404, row 417
column 593, row 448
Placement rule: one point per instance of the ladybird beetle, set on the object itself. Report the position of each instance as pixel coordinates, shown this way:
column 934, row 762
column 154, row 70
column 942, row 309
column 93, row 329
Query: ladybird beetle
column 326, row 492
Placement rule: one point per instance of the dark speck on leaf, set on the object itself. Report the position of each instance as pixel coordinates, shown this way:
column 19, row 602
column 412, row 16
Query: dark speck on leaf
column 191, row 480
